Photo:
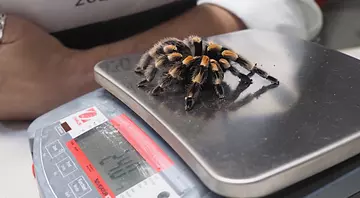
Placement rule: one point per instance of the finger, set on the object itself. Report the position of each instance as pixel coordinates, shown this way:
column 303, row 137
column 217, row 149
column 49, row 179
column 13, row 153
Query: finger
column 16, row 28
column 11, row 29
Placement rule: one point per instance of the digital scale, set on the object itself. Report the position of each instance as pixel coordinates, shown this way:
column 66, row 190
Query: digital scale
column 300, row 139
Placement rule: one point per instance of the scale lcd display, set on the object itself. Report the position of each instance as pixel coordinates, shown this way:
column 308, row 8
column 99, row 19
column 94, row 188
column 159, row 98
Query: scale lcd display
column 114, row 158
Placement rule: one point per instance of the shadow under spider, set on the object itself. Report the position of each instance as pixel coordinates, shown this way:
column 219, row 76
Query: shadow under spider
column 208, row 104
column 248, row 98
column 229, row 103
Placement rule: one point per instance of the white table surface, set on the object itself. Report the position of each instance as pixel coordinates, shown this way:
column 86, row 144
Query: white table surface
column 16, row 173
column 17, row 180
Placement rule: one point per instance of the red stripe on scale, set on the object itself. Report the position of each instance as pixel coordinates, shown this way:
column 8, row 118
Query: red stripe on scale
column 90, row 170
column 142, row 143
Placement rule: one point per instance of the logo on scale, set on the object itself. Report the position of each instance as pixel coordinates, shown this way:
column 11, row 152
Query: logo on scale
column 85, row 116
column 80, row 122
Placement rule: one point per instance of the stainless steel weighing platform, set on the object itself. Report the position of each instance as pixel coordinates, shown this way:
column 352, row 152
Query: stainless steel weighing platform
column 257, row 141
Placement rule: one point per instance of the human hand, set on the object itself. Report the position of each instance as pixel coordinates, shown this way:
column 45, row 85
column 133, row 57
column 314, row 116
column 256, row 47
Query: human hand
column 37, row 73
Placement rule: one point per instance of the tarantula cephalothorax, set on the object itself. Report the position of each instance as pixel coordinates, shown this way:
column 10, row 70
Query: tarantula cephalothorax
column 196, row 62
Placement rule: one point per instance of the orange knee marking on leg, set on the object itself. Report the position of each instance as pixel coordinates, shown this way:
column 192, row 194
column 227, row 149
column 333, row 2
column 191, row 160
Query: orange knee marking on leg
column 205, row 61
column 174, row 56
column 198, row 78
column 214, row 65
column 196, row 39
column 174, row 71
column 229, row 54
column 188, row 60
column 169, row 48
column 159, row 62
column 214, row 47
column 224, row 63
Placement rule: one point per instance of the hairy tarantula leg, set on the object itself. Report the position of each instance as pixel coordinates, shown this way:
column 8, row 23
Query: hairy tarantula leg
column 167, row 49
column 227, row 66
column 151, row 70
column 166, row 81
column 153, row 53
column 193, row 93
column 219, row 90
column 149, row 74
column 165, row 60
column 252, row 68
column 198, row 78
column 231, row 55
column 195, row 44
column 217, row 78
column 173, row 75
column 144, row 61
column 216, row 49
column 175, row 56
column 265, row 75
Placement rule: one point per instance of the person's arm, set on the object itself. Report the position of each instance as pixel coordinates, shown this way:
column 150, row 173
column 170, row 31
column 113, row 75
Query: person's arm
column 299, row 18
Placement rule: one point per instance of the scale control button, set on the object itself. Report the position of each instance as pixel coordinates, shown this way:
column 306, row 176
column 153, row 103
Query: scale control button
column 66, row 166
column 79, row 187
column 69, row 194
column 60, row 130
column 55, row 148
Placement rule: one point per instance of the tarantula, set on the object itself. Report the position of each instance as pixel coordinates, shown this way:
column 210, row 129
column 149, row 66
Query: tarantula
column 195, row 62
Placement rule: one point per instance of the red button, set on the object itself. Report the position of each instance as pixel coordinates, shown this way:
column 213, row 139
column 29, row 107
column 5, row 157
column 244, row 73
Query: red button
column 33, row 170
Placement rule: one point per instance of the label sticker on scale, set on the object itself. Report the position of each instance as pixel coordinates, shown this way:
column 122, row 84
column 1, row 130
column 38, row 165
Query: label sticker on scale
column 79, row 123
column 117, row 156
